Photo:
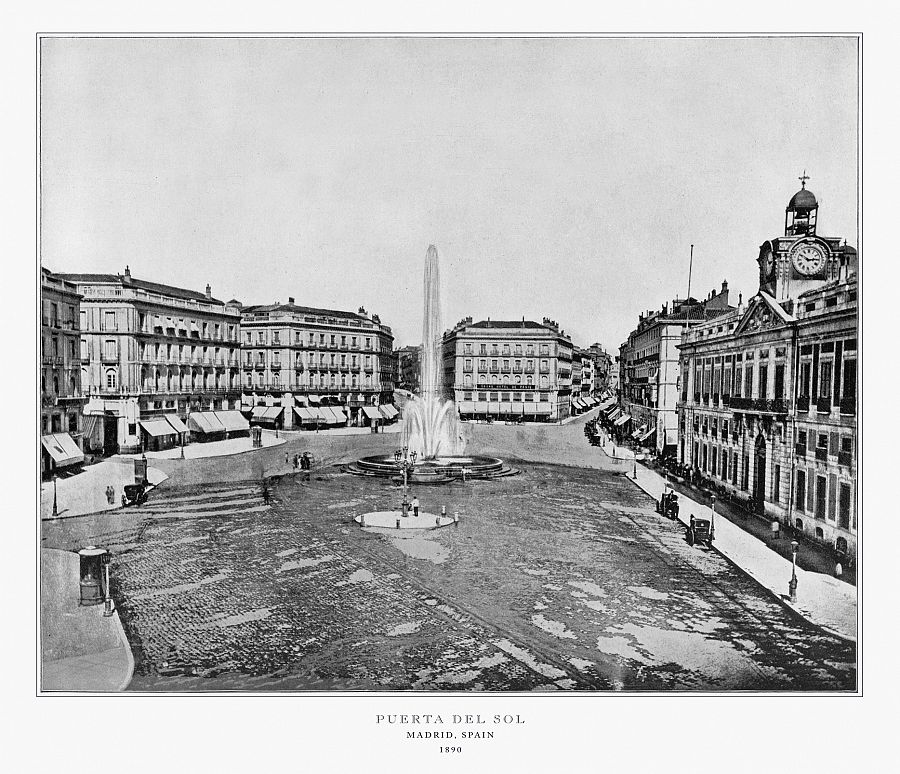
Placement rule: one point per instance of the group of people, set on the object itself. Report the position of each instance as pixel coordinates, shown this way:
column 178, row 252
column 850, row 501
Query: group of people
column 300, row 461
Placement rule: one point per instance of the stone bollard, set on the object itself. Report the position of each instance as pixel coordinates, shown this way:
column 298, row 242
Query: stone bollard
column 443, row 511
column 398, row 522
column 437, row 521
column 456, row 519
column 362, row 520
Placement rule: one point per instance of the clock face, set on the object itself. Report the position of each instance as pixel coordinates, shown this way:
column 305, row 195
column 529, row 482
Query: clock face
column 808, row 259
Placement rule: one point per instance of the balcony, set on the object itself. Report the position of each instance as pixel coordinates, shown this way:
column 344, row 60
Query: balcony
column 248, row 365
column 517, row 369
column 109, row 357
column 823, row 405
column 467, row 369
column 298, row 367
column 494, row 369
column 822, row 454
column 276, row 365
column 803, row 404
column 800, row 449
column 845, row 458
column 848, row 406
column 546, row 370
column 504, row 369
column 260, row 365
column 726, row 400
column 759, row 405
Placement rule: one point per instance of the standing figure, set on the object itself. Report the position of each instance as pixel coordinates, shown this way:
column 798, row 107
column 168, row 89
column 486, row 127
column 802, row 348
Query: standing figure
column 415, row 504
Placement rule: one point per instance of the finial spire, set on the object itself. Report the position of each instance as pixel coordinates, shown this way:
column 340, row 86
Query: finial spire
column 803, row 178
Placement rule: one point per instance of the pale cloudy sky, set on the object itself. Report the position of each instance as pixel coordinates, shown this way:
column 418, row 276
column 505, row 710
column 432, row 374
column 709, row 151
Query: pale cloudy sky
column 557, row 177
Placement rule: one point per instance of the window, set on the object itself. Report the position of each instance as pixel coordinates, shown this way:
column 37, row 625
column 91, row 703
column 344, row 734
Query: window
column 849, row 379
column 800, row 501
column 779, row 381
column 111, row 379
column 493, row 397
column 825, row 380
column 776, row 484
column 544, row 397
column 844, row 505
column 482, row 396
column 109, row 321
column 763, row 380
column 748, row 382
column 801, row 438
column 249, row 337
column 276, row 337
column 261, row 337
column 821, row 484
column 738, row 380
column 467, row 396
column 468, row 365
column 504, row 396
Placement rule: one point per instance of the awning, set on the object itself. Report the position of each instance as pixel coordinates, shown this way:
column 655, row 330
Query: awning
column 313, row 398
column 623, row 419
column 267, row 413
column 576, row 403
column 372, row 412
column 157, row 427
column 336, row 415
column 306, row 414
column 614, row 413
column 62, row 448
column 232, row 421
column 607, row 404
column 389, row 410
column 646, row 435
column 177, row 424
column 385, row 413
column 205, row 422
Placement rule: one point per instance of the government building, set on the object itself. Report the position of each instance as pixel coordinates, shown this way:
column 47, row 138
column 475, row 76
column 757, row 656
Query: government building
column 767, row 406
column 150, row 356
column 61, row 392
column 304, row 366
column 509, row 369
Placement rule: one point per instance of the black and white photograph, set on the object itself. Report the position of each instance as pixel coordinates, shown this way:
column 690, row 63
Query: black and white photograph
column 419, row 365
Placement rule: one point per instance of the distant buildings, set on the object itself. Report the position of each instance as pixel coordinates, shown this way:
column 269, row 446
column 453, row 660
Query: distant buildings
column 649, row 362
column 602, row 367
column 409, row 361
column 768, row 398
column 509, row 369
column 296, row 359
column 61, row 392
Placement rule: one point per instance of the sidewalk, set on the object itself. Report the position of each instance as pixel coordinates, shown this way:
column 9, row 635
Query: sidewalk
column 821, row 599
column 85, row 492
column 196, row 450
column 81, row 649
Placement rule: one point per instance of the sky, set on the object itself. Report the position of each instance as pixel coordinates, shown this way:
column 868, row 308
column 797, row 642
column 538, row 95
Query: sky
column 562, row 178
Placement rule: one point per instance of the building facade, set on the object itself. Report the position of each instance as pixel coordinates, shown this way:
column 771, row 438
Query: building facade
column 650, row 369
column 509, row 369
column 61, row 393
column 150, row 351
column 298, row 356
column 602, row 368
column 768, row 401
column 409, row 362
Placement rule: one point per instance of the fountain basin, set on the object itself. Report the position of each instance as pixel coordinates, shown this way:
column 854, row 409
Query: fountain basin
column 440, row 470
column 388, row 520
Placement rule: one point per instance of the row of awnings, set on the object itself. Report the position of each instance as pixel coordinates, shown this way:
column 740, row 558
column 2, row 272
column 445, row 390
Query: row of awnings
column 169, row 424
column 209, row 422
column 322, row 415
column 62, row 449
column 266, row 413
column 622, row 420
column 584, row 403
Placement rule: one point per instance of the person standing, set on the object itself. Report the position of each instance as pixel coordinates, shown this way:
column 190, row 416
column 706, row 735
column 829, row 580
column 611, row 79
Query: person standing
column 415, row 504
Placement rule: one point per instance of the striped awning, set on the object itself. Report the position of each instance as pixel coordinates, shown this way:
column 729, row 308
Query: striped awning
column 623, row 419
column 372, row 412
column 205, row 422
column 157, row 427
column 232, row 421
column 177, row 425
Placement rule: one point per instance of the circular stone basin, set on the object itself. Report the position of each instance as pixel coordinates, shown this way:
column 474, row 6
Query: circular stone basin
column 437, row 471
column 388, row 520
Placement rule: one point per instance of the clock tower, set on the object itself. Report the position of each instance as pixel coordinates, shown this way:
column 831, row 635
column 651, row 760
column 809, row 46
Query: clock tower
column 801, row 260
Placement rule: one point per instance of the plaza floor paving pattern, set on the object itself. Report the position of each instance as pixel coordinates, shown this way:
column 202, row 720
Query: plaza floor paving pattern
column 557, row 579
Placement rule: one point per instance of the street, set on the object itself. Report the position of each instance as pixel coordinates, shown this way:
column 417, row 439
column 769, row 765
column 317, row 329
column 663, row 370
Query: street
column 560, row 578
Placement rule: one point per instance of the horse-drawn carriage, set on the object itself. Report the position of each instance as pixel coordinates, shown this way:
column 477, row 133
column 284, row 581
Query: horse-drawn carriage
column 700, row 531
column 667, row 505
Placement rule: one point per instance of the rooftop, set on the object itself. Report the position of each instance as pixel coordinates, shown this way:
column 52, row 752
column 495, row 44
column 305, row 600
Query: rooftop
column 152, row 287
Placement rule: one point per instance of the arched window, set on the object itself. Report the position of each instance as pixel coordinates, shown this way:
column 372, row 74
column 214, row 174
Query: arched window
column 55, row 385
column 799, row 524
column 529, row 380
column 111, row 378
column 275, row 379
column 545, row 381
column 468, row 380
column 493, row 378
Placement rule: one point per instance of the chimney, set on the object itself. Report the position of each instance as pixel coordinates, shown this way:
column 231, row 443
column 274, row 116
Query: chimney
column 208, row 291
column 127, row 277
column 290, row 299
column 724, row 285
column 362, row 311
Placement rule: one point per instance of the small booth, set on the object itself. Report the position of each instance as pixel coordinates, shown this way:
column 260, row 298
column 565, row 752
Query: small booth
column 374, row 417
column 268, row 416
column 236, row 426
column 157, row 434
column 60, row 451
column 93, row 575
column 205, row 426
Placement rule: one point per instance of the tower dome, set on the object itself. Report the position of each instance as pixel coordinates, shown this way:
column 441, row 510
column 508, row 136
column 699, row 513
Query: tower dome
column 802, row 210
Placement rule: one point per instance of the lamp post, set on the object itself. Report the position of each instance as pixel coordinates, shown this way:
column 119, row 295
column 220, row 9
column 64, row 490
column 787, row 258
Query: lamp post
column 792, row 585
column 105, row 559
column 405, row 459
column 55, row 511
column 712, row 518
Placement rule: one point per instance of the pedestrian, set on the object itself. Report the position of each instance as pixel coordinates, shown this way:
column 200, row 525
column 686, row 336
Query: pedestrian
column 838, row 570
column 285, row 458
column 416, row 507
column 296, row 461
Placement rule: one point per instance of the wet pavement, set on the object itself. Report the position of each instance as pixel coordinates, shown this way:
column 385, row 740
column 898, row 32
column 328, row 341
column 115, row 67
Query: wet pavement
column 557, row 579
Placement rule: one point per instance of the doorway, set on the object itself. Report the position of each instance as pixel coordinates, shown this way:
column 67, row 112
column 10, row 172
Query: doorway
column 759, row 472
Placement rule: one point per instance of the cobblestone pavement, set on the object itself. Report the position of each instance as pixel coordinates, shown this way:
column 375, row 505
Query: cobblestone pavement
column 556, row 579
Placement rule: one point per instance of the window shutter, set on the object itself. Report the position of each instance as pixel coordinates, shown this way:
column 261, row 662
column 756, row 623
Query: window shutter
column 833, row 441
column 832, row 496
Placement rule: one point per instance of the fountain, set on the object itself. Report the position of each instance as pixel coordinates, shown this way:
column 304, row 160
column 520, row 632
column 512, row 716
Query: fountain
column 432, row 448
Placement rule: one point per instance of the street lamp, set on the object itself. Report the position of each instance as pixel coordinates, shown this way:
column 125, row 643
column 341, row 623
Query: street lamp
column 107, row 599
column 55, row 511
column 792, row 585
column 712, row 518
